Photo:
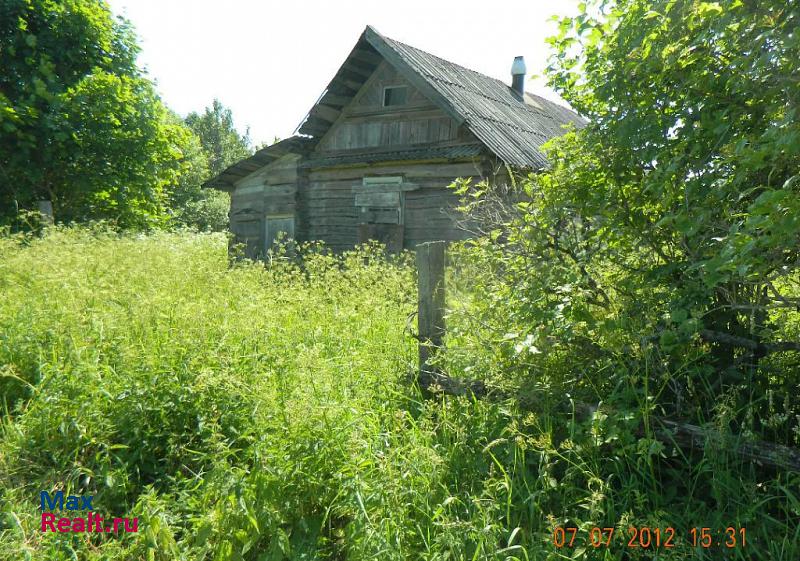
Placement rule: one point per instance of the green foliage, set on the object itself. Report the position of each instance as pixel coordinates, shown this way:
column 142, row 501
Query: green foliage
column 190, row 204
column 664, row 237
column 254, row 413
column 220, row 140
column 207, row 211
column 78, row 124
column 124, row 153
column 216, row 146
column 652, row 270
column 693, row 111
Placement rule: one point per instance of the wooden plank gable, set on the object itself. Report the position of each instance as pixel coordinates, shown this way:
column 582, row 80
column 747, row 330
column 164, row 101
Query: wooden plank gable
column 365, row 123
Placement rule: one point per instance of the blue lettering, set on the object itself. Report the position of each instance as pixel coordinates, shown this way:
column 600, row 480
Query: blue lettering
column 74, row 502
column 57, row 499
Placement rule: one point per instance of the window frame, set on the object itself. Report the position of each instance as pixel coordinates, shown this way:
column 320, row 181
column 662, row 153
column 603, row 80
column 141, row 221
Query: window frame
column 386, row 89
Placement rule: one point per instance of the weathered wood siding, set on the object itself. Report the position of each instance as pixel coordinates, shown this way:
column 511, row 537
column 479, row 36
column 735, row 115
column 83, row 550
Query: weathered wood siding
column 271, row 190
column 329, row 207
column 366, row 123
column 324, row 206
column 331, row 213
column 328, row 211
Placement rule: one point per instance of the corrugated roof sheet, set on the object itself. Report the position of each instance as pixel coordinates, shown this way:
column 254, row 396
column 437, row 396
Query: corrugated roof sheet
column 511, row 128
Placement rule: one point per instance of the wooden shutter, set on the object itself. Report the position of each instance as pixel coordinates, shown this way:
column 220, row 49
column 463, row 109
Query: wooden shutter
column 379, row 207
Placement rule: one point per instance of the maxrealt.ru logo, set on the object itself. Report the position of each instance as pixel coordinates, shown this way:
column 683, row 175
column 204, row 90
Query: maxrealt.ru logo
column 73, row 503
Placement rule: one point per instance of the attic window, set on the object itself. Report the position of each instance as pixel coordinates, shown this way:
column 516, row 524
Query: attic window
column 395, row 95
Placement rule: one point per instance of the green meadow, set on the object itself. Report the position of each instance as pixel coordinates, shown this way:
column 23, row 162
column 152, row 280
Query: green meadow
column 251, row 412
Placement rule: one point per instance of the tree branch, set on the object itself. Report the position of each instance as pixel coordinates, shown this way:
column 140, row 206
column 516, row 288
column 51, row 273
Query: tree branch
column 683, row 435
column 745, row 343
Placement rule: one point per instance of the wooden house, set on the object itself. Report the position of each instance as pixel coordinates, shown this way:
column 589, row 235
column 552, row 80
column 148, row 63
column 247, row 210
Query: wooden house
column 375, row 155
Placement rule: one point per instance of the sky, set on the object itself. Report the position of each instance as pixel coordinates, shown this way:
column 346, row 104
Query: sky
column 269, row 61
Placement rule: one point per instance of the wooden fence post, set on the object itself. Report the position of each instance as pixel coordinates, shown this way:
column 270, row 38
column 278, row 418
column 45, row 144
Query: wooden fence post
column 431, row 305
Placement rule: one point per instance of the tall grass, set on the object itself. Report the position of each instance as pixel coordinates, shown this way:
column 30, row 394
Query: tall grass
column 252, row 413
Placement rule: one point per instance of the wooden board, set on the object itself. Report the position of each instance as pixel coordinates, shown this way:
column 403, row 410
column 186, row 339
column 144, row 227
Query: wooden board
column 278, row 226
column 281, row 171
column 378, row 199
column 379, row 216
column 334, row 220
column 365, row 122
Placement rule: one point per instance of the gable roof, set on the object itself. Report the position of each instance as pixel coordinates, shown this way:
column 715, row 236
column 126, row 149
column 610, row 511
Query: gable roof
column 511, row 127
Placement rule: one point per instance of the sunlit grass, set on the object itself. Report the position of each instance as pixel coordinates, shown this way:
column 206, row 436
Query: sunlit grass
column 263, row 413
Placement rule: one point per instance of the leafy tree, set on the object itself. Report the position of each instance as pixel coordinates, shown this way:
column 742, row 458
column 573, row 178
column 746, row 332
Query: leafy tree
column 218, row 145
column 190, row 204
column 78, row 123
column 665, row 238
column 124, row 154
column 219, row 137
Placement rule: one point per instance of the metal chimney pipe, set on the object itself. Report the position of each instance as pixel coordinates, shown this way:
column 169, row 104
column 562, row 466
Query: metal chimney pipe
column 518, row 76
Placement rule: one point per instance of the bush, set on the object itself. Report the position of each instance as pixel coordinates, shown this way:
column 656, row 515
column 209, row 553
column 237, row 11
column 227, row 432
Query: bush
column 253, row 412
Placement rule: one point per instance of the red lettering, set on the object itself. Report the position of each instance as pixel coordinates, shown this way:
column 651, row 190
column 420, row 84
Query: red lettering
column 48, row 519
column 92, row 523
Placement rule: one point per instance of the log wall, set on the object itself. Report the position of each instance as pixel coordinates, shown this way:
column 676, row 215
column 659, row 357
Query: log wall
column 330, row 212
column 271, row 190
column 324, row 204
